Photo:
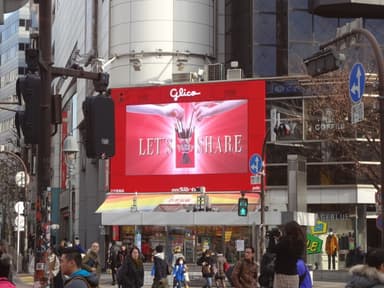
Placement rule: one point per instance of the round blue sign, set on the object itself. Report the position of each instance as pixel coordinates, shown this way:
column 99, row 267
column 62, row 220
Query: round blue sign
column 255, row 164
column 356, row 82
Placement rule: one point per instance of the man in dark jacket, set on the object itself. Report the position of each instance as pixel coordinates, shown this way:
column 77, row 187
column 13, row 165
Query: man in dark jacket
column 160, row 269
column 70, row 264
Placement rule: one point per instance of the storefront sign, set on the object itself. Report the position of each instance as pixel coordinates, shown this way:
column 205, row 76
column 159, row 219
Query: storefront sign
column 314, row 244
column 319, row 228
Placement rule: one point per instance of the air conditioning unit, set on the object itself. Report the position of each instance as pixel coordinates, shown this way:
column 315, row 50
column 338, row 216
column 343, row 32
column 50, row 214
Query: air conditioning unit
column 234, row 74
column 182, row 77
column 214, row 72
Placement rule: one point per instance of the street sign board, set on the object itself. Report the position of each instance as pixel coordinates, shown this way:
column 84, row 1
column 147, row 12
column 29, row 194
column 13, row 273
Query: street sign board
column 255, row 164
column 256, row 179
column 356, row 82
column 319, row 228
column 314, row 244
column 357, row 112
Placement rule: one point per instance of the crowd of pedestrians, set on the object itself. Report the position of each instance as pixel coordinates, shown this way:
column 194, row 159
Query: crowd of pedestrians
column 282, row 266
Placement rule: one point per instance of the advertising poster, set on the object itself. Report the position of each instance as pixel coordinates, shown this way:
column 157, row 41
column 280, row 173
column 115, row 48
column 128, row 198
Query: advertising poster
column 175, row 138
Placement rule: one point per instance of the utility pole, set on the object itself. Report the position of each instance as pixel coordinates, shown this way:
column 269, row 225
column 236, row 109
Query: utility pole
column 44, row 143
column 47, row 72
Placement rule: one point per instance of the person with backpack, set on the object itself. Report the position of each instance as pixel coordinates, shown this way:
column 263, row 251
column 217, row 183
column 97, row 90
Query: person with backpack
column 207, row 267
column 131, row 273
column 244, row 274
column 267, row 263
column 70, row 264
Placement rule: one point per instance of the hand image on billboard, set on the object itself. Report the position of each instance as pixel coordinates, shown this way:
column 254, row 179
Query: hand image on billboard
column 209, row 109
column 172, row 110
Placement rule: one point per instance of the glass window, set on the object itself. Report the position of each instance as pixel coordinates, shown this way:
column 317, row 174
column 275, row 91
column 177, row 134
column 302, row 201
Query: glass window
column 298, row 4
column 296, row 30
column 264, row 61
column 375, row 26
column 264, row 28
column 324, row 28
column 266, row 6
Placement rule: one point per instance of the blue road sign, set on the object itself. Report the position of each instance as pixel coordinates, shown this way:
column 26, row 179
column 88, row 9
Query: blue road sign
column 255, row 164
column 356, row 82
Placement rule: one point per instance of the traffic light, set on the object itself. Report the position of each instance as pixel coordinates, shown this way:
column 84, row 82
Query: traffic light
column 99, row 118
column 242, row 206
column 282, row 129
column 28, row 87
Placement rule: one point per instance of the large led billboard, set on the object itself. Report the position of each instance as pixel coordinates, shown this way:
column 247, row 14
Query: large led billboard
column 179, row 137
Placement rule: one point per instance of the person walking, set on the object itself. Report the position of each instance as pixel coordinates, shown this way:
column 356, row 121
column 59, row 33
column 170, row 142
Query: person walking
column 207, row 267
column 121, row 255
column 244, row 273
column 5, row 271
column 70, row 265
column 91, row 261
column 160, row 269
column 113, row 260
column 131, row 273
column 179, row 271
column 370, row 274
column 289, row 248
column 220, row 274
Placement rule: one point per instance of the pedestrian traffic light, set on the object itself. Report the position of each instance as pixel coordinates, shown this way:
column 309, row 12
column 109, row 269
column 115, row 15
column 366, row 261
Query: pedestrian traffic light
column 99, row 118
column 28, row 87
column 242, row 207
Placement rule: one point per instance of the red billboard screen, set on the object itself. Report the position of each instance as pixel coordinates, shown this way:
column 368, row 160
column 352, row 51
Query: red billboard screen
column 184, row 136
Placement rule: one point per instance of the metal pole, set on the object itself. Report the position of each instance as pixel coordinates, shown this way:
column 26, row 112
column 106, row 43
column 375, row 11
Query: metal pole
column 262, row 197
column 44, row 143
column 380, row 66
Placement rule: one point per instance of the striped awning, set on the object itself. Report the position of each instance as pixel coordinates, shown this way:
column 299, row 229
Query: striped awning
column 117, row 202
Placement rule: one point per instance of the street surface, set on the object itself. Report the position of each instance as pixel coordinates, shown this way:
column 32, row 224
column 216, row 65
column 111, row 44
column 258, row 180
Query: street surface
column 26, row 281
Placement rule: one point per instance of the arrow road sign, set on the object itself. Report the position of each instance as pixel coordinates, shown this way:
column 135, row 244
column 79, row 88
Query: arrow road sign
column 356, row 82
column 255, row 164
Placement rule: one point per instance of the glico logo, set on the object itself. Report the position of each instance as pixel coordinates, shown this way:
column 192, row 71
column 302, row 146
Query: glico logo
column 182, row 92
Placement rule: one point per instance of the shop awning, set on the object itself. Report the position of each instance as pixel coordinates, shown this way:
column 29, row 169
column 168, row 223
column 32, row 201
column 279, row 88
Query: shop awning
column 176, row 209
column 117, row 202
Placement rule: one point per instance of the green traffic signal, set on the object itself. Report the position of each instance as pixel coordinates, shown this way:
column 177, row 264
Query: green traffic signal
column 242, row 207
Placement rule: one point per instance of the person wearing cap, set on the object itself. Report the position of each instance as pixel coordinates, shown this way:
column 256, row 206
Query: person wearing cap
column 370, row 274
column 176, row 255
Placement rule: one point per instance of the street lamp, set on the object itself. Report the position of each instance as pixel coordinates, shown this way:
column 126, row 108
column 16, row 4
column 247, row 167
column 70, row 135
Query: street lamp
column 70, row 150
column 352, row 30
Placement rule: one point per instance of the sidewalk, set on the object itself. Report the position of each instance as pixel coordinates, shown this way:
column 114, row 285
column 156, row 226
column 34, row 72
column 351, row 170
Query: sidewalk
column 26, row 280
